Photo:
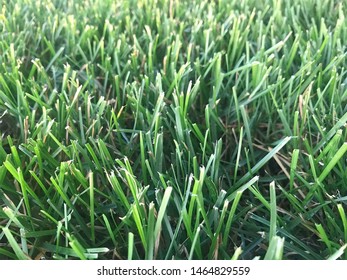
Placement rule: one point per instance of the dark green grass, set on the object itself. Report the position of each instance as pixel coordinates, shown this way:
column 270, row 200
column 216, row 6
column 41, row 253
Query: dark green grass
column 173, row 129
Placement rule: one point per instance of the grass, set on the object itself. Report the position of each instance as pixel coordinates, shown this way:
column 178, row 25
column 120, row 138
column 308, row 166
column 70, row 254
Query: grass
column 162, row 129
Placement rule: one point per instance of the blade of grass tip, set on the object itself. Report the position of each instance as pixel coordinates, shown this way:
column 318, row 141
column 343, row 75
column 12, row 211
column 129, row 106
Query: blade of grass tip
column 49, row 217
column 11, row 215
column 150, row 229
column 183, row 213
column 61, row 192
column 312, row 167
column 257, row 194
column 143, row 159
column 130, row 245
column 23, row 239
column 264, row 160
column 296, row 130
column 11, row 169
column 95, row 158
column 58, row 235
column 192, row 249
column 14, row 245
column 243, row 188
column 112, row 178
column 236, row 254
column 136, row 213
column 230, row 218
column 239, row 148
column 284, row 122
column 100, row 250
column 333, row 162
column 6, row 199
column 161, row 212
column 55, row 57
column 331, row 133
column 109, row 230
column 76, row 247
column 158, row 149
column 275, row 250
column 81, row 125
column 324, row 237
column 14, row 152
column 247, row 130
column 273, row 212
column 331, row 146
column 344, row 220
column 66, row 222
column 215, row 164
column 293, row 166
column 220, row 198
column 200, row 202
column 27, row 190
column 338, row 253
column 91, row 206
column 214, row 249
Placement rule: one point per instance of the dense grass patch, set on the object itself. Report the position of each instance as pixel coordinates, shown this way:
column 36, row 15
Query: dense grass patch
column 162, row 129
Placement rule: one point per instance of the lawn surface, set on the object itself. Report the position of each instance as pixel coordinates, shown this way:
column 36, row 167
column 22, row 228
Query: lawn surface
column 165, row 129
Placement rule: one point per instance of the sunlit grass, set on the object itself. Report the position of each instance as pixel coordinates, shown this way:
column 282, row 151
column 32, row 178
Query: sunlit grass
column 164, row 129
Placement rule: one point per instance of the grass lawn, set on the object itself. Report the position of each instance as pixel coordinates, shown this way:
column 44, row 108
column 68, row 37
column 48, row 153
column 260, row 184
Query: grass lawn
column 166, row 129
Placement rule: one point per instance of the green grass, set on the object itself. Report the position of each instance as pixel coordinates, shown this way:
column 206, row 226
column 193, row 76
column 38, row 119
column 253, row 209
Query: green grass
column 162, row 129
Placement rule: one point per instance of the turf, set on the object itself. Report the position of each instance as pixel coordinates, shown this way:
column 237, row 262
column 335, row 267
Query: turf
column 163, row 129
